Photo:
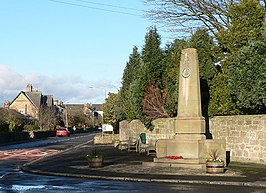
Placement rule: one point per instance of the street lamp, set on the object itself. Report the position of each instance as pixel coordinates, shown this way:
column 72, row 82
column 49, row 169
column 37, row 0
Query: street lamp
column 99, row 88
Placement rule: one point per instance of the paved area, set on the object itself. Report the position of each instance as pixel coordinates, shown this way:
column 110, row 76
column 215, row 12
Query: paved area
column 124, row 165
column 25, row 154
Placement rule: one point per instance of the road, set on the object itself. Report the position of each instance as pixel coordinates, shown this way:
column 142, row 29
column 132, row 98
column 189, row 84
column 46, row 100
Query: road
column 15, row 181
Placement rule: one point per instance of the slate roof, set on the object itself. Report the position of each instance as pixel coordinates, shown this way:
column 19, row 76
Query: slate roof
column 35, row 97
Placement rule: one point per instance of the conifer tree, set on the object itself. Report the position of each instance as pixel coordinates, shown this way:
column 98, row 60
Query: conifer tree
column 130, row 75
column 228, row 92
column 170, row 75
column 151, row 72
column 247, row 78
column 247, row 18
column 152, row 57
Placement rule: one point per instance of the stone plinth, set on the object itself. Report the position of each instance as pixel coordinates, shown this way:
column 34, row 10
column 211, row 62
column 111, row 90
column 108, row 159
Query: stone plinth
column 189, row 149
column 194, row 151
column 171, row 147
column 187, row 146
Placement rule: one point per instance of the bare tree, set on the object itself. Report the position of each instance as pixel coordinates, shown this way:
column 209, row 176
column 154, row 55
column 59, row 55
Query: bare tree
column 47, row 119
column 184, row 15
column 153, row 104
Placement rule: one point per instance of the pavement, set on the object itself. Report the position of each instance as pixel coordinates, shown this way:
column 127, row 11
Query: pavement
column 127, row 166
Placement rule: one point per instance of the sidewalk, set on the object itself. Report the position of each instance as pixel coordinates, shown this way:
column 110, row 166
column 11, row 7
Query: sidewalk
column 127, row 166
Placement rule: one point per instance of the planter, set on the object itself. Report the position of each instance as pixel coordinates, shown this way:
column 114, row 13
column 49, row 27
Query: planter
column 215, row 167
column 95, row 162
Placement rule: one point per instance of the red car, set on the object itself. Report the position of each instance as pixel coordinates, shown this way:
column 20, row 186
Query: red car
column 62, row 132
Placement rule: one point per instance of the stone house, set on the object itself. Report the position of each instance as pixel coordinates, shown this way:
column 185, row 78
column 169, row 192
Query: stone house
column 91, row 112
column 30, row 102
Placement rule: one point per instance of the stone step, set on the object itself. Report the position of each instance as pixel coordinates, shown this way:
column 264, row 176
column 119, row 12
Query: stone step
column 176, row 165
column 179, row 161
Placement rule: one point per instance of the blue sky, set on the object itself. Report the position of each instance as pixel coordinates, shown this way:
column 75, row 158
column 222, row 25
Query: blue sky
column 72, row 49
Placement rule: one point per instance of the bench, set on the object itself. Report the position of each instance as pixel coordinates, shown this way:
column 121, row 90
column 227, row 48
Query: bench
column 143, row 146
column 132, row 144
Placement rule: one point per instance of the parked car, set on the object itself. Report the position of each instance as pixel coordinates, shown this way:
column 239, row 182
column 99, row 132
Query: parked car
column 62, row 132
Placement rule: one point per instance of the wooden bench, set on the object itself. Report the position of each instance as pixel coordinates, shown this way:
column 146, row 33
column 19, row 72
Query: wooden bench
column 132, row 144
column 146, row 147
column 123, row 145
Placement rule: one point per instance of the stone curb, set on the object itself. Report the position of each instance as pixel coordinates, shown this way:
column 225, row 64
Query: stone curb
column 132, row 179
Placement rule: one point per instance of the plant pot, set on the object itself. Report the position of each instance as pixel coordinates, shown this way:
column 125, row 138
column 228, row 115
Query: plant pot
column 95, row 162
column 215, row 167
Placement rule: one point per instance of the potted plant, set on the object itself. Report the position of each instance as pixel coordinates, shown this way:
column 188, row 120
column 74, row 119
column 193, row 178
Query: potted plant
column 214, row 164
column 94, row 159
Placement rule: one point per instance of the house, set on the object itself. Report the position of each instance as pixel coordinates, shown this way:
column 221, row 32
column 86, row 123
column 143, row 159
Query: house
column 30, row 102
column 98, row 112
column 91, row 113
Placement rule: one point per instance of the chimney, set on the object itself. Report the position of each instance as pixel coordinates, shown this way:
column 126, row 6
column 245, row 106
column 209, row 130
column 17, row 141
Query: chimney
column 6, row 104
column 29, row 88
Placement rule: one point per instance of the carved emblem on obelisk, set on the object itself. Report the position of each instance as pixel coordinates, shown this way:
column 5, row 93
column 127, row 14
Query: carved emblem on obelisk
column 186, row 70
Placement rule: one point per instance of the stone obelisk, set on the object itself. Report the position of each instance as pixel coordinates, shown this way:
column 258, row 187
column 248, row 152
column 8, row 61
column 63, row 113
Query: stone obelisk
column 189, row 119
column 189, row 124
column 189, row 140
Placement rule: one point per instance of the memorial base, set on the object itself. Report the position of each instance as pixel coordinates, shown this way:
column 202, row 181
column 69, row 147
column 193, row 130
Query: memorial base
column 194, row 148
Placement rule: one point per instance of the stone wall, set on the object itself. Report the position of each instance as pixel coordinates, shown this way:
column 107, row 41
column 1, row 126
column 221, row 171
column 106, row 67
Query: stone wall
column 163, row 129
column 10, row 137
column 124, row 131
column 130, row 129
column 105, row 138
column 136, row 127
column 245, row 136
column 13, row 137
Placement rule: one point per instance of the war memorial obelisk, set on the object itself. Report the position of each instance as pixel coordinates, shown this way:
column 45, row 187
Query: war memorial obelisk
column 189, row 126
column 189, row 119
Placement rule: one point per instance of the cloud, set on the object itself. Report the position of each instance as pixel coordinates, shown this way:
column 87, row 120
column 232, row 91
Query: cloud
column 69, row 89
column 9, row 79
column 10, row 83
